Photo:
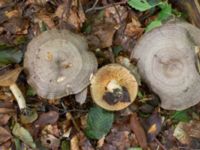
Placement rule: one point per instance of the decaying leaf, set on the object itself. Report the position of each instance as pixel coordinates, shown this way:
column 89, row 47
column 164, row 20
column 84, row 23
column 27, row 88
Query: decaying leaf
column 116, row 14
column 153, row 126
column 138, row 130
column 102, row 35
column 134, row 29
column 50, row 141
column 23, row 134
column 184, row 132
column 76, row 16
column 47, row 118
column 4, row 135
column 43, row 16
column 31, row 117
column 83, row 142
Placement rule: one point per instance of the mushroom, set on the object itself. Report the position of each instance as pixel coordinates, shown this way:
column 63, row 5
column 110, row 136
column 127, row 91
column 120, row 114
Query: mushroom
column 166, row 62
column 8, row 79
column 113, row 87
column 58, row 64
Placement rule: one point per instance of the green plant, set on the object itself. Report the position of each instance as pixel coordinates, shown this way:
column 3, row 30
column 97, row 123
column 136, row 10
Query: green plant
column 165, row 11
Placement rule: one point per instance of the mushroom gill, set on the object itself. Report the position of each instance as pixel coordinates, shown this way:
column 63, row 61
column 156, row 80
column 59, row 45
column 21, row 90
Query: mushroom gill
column 113, row 87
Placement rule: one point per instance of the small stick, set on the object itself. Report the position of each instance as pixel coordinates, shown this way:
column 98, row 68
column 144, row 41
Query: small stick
column 106, row 6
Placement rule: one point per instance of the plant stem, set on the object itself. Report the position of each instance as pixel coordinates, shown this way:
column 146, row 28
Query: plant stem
column 18, row 96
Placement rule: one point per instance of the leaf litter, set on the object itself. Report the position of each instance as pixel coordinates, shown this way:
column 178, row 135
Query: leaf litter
column 112, row 29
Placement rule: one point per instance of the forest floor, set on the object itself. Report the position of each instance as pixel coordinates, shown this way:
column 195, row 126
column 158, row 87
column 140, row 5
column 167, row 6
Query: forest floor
column 112, row 29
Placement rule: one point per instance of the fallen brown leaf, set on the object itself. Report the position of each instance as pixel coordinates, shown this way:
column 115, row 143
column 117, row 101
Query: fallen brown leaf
column 102, row 35
column 76, row 16
column 116, row 14
column 84, row 143
column 74, row 143
column 45, row 17
column 47, row 118
column 4, row 135
column 184, row 132
column 16, row 25
column 50, row 141
column 4, row 118
column 138, row 130
column 134, row 29
column 50, row 117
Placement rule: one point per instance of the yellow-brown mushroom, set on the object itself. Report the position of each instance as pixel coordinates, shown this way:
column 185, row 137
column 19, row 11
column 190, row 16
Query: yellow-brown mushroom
column 113, row 87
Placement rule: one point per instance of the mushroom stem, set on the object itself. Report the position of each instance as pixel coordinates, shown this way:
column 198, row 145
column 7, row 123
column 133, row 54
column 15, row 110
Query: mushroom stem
column 18, row 96
column 112, row 85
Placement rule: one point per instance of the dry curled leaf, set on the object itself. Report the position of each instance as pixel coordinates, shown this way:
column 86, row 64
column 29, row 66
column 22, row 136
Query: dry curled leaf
column 75, row 17
column 134, row 29
column 184, row 132
column 102, row 35
column 45, row 17
column 116, row 14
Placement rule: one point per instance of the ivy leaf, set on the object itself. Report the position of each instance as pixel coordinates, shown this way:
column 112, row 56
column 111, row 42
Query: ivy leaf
column 141, row 5
column 153, row 24
column 99, row 122
column 182, row 116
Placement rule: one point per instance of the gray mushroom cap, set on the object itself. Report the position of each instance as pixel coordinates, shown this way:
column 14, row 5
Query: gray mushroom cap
column 58, row 63
column 166, row 62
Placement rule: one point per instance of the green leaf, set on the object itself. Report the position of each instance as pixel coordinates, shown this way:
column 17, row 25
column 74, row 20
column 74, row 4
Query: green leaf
column 153, row 24
column 117, row 50
column 65, row 145
column 23, row 134
column 99, row 122
column 20, row 40
column 30, row 91
column 17, row 144
column 165, row 13
column 10, row 56
column 181, row 116
column 141, row 5
column 30, row 117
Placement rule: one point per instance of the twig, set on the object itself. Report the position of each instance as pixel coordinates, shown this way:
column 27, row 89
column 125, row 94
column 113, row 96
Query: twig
column 118, row 14
column 93, row 6
column 160, row 144
column 106, row 6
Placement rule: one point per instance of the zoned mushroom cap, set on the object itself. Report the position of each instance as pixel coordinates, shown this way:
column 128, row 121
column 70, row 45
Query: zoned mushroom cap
column 166, row 62
column 10, row 77
column 107, row 74
column 58, row 63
